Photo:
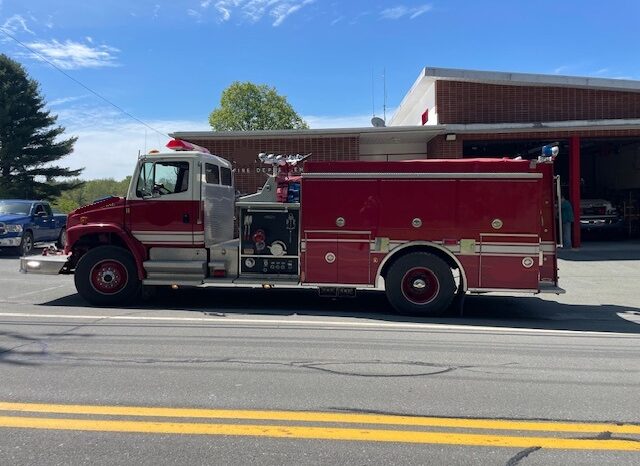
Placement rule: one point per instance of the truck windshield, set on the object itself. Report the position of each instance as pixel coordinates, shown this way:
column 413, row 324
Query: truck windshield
column 162, row 178
column 16, row 208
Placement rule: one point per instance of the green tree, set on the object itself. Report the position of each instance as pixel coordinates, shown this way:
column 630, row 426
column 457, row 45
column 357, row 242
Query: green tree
column 89, row 191
column 249, row 107
column 29, row 140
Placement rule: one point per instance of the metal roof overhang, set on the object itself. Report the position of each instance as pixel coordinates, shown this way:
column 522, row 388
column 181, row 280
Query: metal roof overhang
column 549, row 127
column 393, row 134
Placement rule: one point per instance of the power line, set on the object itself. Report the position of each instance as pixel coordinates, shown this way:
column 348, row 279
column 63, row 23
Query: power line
column 43, row 58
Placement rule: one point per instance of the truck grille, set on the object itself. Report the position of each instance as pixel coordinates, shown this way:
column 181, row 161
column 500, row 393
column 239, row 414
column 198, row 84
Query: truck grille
column 2, row 228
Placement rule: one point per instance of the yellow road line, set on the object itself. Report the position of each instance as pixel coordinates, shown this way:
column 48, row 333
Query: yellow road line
column 301, row 416
column 322, row 433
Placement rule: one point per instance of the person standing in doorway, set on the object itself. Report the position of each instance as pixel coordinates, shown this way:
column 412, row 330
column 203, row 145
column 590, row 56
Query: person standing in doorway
column 566, row 211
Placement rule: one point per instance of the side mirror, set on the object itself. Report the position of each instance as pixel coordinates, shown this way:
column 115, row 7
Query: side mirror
column 152, row 195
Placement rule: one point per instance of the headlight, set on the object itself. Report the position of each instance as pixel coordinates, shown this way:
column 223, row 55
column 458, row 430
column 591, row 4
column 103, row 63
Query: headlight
column 13, row 228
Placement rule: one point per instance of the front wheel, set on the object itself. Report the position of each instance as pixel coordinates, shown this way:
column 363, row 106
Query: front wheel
column 107, row 275
column 420, row 284
column 27, row 243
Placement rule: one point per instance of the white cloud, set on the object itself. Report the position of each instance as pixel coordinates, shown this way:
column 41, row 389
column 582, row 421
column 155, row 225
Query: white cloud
column 561, row 69
column 394, row 13
column 66, row 100
column 255, row 10
column 281, row 11
column 401, row 11
column 194, row 14
column 342, row 121
column 70, row 55
column 16, row 24
column 108, row 143
column 420, row 11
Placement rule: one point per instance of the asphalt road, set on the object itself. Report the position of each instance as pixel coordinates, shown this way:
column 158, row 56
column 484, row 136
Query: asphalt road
column 272, row 377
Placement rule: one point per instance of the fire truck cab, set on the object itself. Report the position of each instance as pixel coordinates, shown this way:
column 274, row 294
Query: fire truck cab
column 425, row 232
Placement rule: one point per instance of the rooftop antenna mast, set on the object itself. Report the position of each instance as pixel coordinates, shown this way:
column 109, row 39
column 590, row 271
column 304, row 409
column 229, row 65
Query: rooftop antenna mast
column 384, row 94
column 377, row 121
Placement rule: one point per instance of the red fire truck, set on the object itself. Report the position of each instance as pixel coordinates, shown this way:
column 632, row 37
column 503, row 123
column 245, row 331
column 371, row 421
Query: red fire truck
column 425, row 232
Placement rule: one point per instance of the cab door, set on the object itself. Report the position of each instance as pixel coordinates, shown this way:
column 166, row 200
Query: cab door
column 162, row 207
column 44, row 225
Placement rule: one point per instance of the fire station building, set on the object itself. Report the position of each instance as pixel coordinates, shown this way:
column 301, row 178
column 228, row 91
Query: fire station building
column 452, row 113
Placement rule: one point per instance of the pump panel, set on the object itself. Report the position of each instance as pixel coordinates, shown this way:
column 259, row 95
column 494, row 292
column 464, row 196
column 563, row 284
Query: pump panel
column 269, row 240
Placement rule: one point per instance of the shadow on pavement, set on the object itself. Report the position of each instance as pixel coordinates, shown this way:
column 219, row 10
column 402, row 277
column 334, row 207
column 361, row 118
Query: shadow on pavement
column 8, row 253
column 623, row 250
column 527, row 312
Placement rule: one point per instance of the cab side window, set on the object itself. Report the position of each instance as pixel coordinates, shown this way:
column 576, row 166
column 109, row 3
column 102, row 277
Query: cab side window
column 225, row 176
column 39, row 210
column 212, row 173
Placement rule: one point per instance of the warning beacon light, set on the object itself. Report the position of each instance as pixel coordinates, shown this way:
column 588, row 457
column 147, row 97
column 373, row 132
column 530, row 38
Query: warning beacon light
column 549, row 152
column 180, row 145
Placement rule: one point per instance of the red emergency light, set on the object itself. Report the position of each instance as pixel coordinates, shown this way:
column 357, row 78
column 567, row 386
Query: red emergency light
column 180, row 145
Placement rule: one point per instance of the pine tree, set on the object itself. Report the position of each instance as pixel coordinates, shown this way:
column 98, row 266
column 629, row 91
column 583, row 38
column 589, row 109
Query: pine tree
column 29, row 139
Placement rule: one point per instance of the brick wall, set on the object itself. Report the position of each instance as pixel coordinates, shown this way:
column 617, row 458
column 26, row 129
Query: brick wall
column 466, row 102
column 440, row 148
column 250, row 174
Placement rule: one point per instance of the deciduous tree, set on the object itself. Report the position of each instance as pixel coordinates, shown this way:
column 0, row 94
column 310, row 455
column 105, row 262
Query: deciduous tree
column 249, row 107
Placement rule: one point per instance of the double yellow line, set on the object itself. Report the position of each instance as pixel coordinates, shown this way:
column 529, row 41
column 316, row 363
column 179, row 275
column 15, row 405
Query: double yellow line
column 560, row 435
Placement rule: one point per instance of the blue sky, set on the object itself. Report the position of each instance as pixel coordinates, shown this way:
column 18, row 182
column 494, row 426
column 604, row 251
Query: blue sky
column 166, row 62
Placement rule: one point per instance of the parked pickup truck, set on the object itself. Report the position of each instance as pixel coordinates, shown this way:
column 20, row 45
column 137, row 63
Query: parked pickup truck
column 23, row 224
column 600, row 216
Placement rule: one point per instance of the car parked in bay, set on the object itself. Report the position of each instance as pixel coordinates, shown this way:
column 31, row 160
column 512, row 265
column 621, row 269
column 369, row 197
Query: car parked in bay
column 599, row 216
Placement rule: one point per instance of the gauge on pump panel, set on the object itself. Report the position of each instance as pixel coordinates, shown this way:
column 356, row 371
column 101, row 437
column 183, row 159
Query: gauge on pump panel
column 278, row 248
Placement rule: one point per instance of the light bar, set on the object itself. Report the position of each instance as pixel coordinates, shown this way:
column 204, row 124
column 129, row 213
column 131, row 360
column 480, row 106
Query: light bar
column 180, row 145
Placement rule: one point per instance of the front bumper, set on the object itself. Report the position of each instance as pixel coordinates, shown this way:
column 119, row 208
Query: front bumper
column 601, row 224
column 45, row 265
column 11, row 242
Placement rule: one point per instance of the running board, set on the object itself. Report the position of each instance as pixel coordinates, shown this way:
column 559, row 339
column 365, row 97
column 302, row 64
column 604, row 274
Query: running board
column 551, row 288
column 175, row 271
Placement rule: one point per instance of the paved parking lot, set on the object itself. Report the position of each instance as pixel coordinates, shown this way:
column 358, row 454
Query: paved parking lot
column 601, row 281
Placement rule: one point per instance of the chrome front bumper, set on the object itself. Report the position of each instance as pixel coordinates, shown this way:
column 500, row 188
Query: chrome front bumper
column 11, row 242
column 45, row 265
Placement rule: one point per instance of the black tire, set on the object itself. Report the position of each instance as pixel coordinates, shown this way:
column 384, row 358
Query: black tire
column 62, row 239
column 27, row 245
column 420, row 284
column 107, row 276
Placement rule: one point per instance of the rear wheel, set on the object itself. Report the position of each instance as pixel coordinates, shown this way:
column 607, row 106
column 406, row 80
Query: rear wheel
column 107, row 275
column 62, row 239
column 420, row 283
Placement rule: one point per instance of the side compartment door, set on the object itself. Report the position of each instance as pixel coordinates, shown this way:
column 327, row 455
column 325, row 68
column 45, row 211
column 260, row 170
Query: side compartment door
column 509, row 261
column 353, row 258
column 163, row 210
column 320, row 257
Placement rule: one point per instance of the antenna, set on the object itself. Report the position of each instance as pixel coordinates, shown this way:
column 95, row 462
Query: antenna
column 373, row 93
column 384, row 94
